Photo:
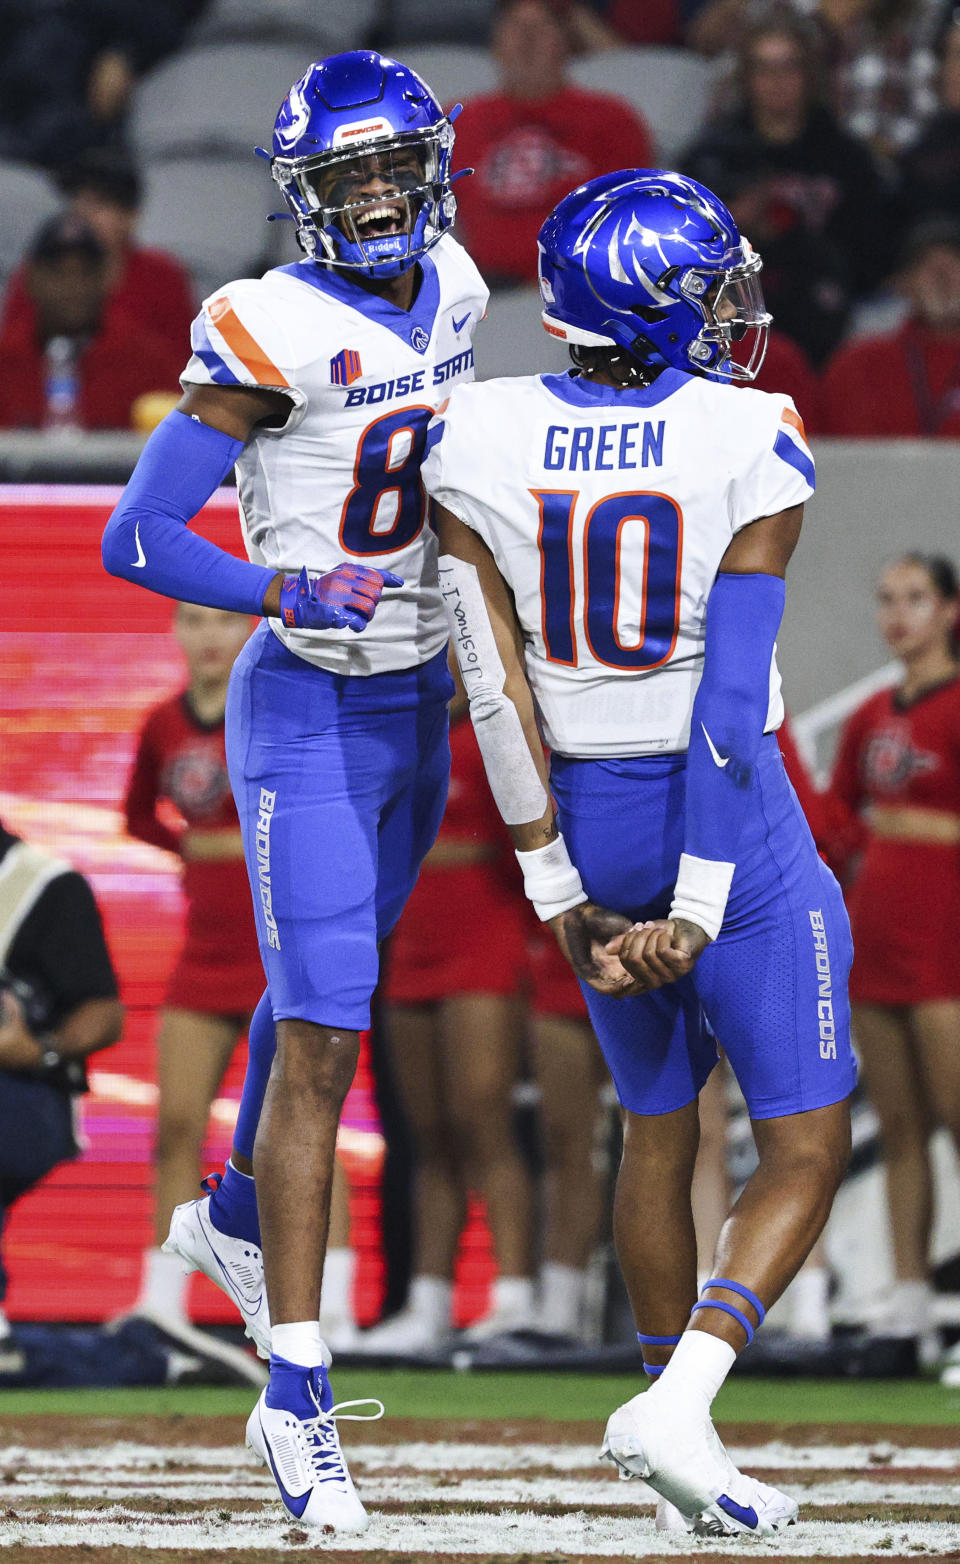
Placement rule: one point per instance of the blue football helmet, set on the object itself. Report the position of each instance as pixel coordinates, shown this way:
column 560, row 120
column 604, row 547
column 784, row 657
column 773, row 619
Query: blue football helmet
column 653, row 262
column 353, row 119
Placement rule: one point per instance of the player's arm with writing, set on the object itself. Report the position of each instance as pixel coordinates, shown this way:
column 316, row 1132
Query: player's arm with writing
column 148, row 538
column 729, row 712
column 486, row 639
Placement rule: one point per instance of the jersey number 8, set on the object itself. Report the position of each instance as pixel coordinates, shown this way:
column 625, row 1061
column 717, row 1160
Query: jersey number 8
column 385, row 509
column 602, row 565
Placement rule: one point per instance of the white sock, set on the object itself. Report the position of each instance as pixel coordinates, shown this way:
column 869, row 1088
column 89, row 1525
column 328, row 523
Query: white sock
column 163, row 1284
column 5, row 1327
column 808, row 1295
column 338, row 1269
column 513, row 1295
column 300, row 1343
column 561, row 1298
column 698, row 1368
column 431, row 1297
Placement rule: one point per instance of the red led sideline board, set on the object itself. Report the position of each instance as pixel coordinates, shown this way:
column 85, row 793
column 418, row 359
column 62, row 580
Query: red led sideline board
column 72, row 696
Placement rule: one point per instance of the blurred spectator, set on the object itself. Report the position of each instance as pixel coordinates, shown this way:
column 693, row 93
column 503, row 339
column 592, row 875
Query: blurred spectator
column 179, row 799
column 930, row 173
column 58, row 1005
column 895, row 797
column 104, row 190
column 66, row 69
column 707, row 25
column 68, row 363
column 807, row 281
column 883, row 66
column 907, row 382
column 786, row 368
column 452, row 989
column 817, row 190
column 534, row 140
column 403, row 22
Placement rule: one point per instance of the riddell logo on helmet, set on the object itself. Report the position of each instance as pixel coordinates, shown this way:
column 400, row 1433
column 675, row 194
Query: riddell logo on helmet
column 361, row 130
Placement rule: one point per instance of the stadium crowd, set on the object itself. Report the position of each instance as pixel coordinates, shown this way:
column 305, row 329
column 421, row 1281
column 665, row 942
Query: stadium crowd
column 832, row 129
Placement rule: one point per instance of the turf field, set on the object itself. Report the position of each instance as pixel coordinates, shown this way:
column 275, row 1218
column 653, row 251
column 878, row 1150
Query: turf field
column 499, row 1467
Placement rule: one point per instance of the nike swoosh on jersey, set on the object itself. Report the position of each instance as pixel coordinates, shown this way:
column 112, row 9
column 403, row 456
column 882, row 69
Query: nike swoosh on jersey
column 141, row 559
column 458, row 325
column 719, row 760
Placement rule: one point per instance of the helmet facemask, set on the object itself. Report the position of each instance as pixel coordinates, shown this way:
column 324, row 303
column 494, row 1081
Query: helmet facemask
column 731, row 302
column 380, row 234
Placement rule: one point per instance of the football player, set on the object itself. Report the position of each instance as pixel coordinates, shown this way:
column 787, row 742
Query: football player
column 613, row 547
column 318, row 382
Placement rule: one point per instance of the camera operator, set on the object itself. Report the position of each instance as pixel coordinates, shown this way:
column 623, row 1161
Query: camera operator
column 58, row 1003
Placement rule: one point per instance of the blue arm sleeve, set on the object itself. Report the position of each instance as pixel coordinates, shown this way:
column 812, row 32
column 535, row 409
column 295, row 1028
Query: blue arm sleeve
column 147, row 539
column 729, row 711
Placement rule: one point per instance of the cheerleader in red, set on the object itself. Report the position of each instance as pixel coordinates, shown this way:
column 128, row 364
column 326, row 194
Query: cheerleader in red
column 180, row 774
column 895, row 800
column 569, row 1070
column 455, row 972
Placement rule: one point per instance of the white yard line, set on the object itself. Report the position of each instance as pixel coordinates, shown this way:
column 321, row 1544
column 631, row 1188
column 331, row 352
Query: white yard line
column 224, row 1487
column 580, row 1535
column 450, row 1457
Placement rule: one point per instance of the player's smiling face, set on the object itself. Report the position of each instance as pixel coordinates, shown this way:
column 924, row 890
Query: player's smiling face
column 371, row 192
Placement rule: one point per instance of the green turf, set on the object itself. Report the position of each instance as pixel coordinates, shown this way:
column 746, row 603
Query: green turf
column 562, row 1396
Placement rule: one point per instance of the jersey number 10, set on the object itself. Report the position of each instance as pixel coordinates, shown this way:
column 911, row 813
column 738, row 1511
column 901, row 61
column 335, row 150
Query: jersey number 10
column 603, row 564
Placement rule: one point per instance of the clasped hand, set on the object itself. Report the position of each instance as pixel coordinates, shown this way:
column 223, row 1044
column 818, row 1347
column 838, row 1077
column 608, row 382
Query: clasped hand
column 621, row 958
column 341, row 599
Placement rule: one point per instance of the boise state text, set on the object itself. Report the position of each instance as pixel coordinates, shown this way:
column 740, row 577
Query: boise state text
column 609, row 448
column 409, row 385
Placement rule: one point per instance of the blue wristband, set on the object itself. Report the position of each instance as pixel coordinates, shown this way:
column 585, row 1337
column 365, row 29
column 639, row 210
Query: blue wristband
column 147, row 539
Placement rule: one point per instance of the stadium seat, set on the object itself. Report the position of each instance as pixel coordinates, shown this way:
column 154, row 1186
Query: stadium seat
column 512, row 340
column 211, row 214
column 220, row 99
column 27, row 199
column 437, row 21
column 454, row 74
column 319, row 29
column 670, row 88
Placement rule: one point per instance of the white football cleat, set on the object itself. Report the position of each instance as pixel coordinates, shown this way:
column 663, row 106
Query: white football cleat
column 293, row 1430
column 405, row 1335
column 675, row 1454
column 232, row 1264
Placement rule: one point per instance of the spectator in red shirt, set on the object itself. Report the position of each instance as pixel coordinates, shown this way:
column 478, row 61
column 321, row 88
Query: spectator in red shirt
column 67, row 360
column 534, row 140
column 907, row 382
column 786, row 368
column 104, row 191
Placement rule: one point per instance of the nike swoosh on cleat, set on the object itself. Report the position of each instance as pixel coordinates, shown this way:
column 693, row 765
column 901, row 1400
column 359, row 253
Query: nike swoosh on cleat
column 290, row 1502
column 719, row 760
column 246, row 1306
column 744, row 1513
column 141, row 559
column 458, row 325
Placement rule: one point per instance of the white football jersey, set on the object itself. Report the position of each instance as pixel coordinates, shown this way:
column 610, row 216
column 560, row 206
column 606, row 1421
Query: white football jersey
column 340, row 480
column 608, row 513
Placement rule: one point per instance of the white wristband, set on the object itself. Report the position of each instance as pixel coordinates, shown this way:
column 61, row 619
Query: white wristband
column 700, row 894
column 550, row 880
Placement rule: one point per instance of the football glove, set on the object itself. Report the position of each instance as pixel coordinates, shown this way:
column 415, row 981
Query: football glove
column 343, row 598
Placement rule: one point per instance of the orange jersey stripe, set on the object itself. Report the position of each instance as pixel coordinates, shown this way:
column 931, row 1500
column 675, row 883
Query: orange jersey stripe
column 788, row 416
column 243, row 346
